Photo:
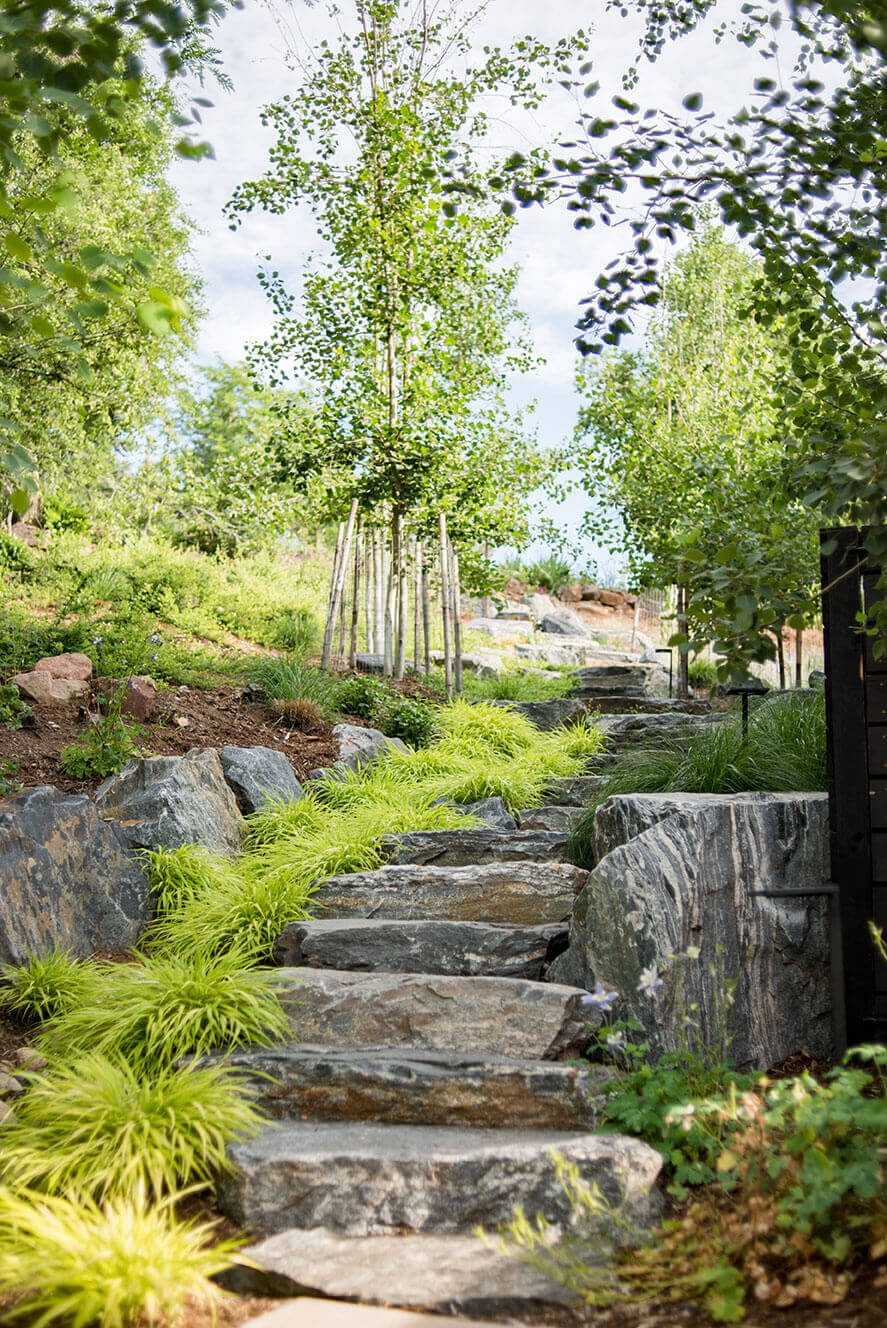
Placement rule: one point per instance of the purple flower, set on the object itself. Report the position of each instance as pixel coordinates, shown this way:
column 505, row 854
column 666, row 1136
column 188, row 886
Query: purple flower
column 650, row 982
column 615, row 1041
column 97, row 640
column 602, row 998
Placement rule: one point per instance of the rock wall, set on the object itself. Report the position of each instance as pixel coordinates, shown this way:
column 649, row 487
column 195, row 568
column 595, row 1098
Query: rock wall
column 679, row 871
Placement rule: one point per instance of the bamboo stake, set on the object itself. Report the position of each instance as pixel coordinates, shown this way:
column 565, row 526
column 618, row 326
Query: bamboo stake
column 799, row 657
column 343, row 607
column 334, row 571
column 337, row 588
column 445, row 606
column 355, row 596
column 457, row 619
column 389, row 562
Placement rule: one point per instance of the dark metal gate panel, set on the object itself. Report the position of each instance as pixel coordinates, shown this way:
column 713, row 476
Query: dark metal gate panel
column 856, row 709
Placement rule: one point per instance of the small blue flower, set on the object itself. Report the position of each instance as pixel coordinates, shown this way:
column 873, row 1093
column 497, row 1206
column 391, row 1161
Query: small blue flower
column 602, row 998
column 615, row 1040
column 97, row 640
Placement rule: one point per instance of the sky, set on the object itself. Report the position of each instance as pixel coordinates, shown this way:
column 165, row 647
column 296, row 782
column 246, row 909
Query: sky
column 261, row 49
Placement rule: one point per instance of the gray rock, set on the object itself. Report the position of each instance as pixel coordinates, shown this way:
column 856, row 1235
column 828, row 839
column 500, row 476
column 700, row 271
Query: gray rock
column 257, row 775
column 65, row 881
column 539, row 604
column 623, row 730
column 403, row 1086
column 515, row 613
column 168, row 801
column 492, row 811
column 441, row 1274
column 487, row 1016
column 461, row 848
column 627, row 679
column 560, row 655
column 563, row 622
column 548, row 715
column 573, row 790
column 367, row 1179
column 462, row 949
column 361, row 747
column 678, row 871
column 816, row 679
column 499, row 628
column 528, row 894
column 485, row 663
column 551, row 817
column 618, row 704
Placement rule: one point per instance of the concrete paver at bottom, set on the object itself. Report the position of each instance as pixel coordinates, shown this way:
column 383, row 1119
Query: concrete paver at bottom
column 307, row 1312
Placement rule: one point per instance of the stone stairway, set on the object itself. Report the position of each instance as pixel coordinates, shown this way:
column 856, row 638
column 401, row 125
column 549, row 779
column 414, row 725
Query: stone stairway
column 431, row 1076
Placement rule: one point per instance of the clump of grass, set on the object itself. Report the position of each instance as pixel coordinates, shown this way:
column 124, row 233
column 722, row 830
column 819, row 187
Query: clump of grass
column 46, row 985
column 783, row 752
column 115, row 1265
column 291, row 680
column 519, row 685
column 100, row 1128
column 194, row 1000
column 496, row 728
column 297, row 630
column 301, row 713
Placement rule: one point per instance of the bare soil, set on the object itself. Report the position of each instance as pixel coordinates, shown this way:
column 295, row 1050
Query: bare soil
column 215, row 718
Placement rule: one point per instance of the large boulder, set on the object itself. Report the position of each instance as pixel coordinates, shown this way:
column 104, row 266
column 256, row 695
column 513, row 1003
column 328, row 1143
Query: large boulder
column 539, row 604
column 359, row 747
column 548, row 715
column 168, row 801
column 563, row 621
column 71, row 665
column 682, row 871
column 500, row 628
column 41, row 687
column 65, row 881
column 257, row 775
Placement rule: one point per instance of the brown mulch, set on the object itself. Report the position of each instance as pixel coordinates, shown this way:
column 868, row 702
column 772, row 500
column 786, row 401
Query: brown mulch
column 223, row 715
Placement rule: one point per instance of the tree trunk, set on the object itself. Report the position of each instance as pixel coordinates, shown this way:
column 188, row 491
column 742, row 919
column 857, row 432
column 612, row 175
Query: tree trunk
column 417, row 601
column 683, row 654
column 368, row 544
column 426, row 617
column 799, row 657
column 379, row 607
column 780, row 656
column 457, row 621
column 390, row 563
column 338, row 582
column 355, row 597
column 445, row 607
column 400, row 652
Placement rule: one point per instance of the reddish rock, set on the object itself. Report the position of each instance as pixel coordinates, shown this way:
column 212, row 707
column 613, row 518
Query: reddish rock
column 73, row 667
column 570, row 594
column 137, row 695
column 590, row 591
column 44, row 689
column 612, row 599
column 514, row 589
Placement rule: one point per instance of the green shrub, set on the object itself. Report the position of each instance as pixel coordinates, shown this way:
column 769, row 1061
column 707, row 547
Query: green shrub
column 550, row 573
column 496, row 728
column 784, row 751
column 46, row 985
column 411, row 720
column 103, row 749
column 9, row 784
column 13, row 710
column 98, row 1127
column 59, row 515
column 363, row 696
column 297, row 630
column 16, row 557
column 171, row 1005
column 79, row 1265
column 703, row 673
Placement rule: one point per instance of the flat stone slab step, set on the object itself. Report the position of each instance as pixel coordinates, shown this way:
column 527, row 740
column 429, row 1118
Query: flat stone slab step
column 528, row 894
column 390, row 945
column 612, row 703
column 365, row 1179
column 481, row 1016
column 410, row 1087
column 462, row 848
column 551, row 817
column 441, row 1274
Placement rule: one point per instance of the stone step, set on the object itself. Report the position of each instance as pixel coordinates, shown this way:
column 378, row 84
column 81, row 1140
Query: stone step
column 573, row 791
column 528, row 894
column 404, row 1086
column 461, row 949
column 620, row 703
column 438, row 1274
column 365, row 1179
column 550, row 817
column 481, row 1016
column 462, row 848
